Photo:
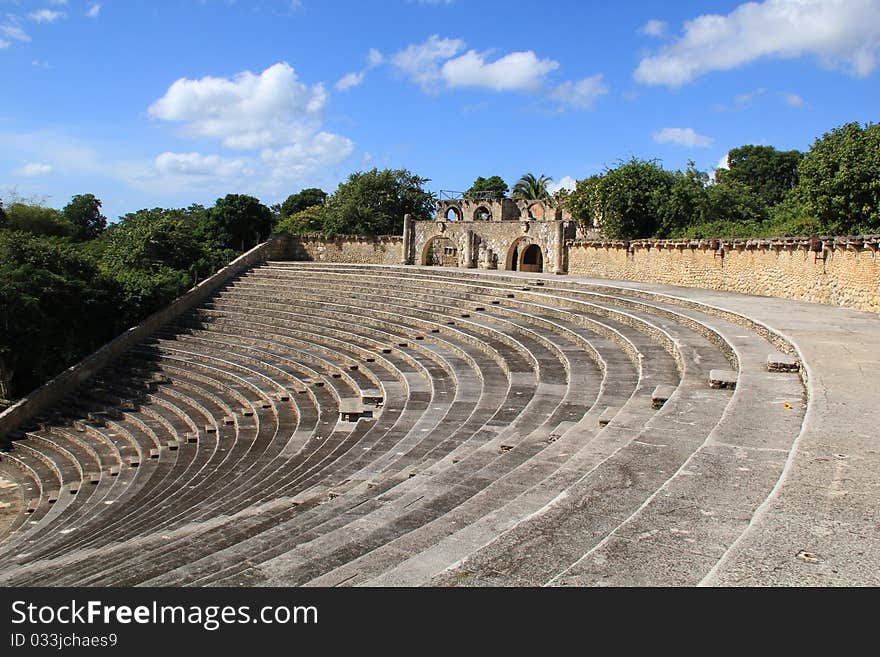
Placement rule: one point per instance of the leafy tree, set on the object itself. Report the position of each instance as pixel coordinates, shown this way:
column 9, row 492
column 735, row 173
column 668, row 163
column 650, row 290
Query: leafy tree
column 735, row 202
column 374, row 202
column 531, row 188
column 686, row 201
column 767, row 173
column 84, row 213
column 628, row 200
column 302, row 200
column 308, row 220
column 840, row 179
column 494, row 185
column 38, row 220
column 55, row 307
column 240, row 221
column 3, row 217
column 583, row 202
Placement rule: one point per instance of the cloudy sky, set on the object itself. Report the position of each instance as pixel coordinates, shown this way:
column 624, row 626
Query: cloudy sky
column 150, row 103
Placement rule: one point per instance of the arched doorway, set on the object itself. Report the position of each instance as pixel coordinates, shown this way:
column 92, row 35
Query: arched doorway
column 440, row 251
column 482, row 213
column 453, row 214
column 513, row 262
column 532, row 260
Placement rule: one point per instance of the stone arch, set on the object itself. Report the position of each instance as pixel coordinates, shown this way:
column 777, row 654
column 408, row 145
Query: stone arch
column 532, row 259
column 439, row 251
column 482, row 213
column 514, row 253
column 455, row 212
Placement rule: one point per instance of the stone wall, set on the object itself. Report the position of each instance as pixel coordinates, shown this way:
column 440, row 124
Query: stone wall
column 53, row 391
column 843, row 271
column 491, row 244
column 381, row 250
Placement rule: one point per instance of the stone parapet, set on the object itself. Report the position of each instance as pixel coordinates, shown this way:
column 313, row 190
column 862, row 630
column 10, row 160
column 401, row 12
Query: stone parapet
column 837, row 270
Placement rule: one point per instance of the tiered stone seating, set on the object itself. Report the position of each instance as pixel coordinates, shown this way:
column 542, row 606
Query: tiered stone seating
column 344, row 424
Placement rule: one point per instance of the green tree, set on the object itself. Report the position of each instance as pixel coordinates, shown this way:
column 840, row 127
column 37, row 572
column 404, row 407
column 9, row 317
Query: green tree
column 583, row 202
column 55, row 308
column 84, row 213
column 3, row 217
column 768, row 173
column 36, row 219
column 308, row 220
column 840, row 179
column 530, row 187
column 628, row 200
column 494, row 187
column 240, row 221
column 685, row 203
column 302, row 200
column 374, row 203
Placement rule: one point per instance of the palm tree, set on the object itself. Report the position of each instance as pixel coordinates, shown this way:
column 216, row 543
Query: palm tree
column 531, row 188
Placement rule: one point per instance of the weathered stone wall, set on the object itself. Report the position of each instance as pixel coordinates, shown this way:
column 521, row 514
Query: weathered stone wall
column 378, row 250
column 52, row 392
column 838, row 271
column 490, row 244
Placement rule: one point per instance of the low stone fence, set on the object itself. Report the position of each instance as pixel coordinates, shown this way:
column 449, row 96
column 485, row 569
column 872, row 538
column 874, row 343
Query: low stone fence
column 841, row 271
column 352, row 249
column 53, row 391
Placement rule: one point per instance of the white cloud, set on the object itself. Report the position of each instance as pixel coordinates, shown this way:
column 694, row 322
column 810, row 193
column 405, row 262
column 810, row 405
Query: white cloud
column 94, row 10
column 196, row 164
column 13, row 32
column 654, row 28
column 841, row 33
column 518, row 71
column 299, row 160
column 246, row 112
column 349, row 80
column 375, row 57
column 33, row 169
column 793, row 99
column 566, row 182
column 45, row 15
column 581, row 94
column 273, row 113
column 421, row 62
column 682, row 137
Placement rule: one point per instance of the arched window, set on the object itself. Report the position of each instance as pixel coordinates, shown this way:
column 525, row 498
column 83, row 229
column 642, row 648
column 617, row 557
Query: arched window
column 482, row 213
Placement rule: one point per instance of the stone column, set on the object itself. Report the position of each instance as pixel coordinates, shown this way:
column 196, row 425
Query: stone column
column 559, row 259
column 407, row 239
column 469, row 249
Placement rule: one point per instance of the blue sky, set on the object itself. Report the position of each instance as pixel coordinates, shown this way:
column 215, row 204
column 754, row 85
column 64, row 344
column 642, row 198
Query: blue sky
column 167, row 103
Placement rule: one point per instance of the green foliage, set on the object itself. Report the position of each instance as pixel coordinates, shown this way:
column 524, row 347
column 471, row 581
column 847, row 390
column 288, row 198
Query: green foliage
column 309, row 220
column 687, row 201
column 3, row 218
column 583, row 202
column 629, row 199
column 239, row 221
column 84, row 213
column 495, row 185
column 302, row 200
column 374, row 203
column 54, row 307
column 840, row 179
column 155, row 255
column 38, row 220
column 767, row 173
column 531, row 188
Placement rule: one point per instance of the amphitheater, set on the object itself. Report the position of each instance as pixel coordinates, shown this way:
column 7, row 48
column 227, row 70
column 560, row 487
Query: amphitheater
column 293, row 422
